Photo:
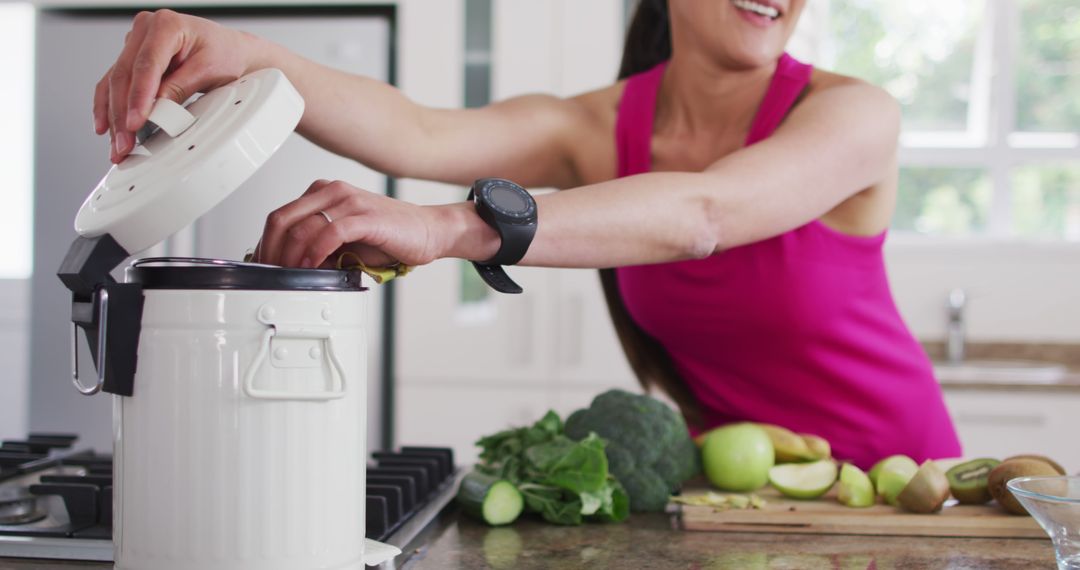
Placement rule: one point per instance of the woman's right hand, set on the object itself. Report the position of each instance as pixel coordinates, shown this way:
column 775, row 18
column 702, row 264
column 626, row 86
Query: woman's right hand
column 170, row 55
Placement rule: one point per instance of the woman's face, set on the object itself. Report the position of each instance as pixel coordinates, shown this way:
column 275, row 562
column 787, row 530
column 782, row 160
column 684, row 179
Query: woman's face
column 736, row 33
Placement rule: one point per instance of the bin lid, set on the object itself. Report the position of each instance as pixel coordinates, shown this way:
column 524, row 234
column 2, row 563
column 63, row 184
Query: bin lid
column 197, row 157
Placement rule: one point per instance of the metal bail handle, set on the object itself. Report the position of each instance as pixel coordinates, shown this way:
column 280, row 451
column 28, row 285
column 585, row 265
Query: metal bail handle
column 103, row 325
column 282, row 331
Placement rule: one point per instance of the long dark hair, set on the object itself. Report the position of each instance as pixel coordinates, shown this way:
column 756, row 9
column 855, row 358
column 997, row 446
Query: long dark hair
column 648, row 42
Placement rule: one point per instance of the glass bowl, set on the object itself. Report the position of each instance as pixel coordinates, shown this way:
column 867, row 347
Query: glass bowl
column 1055, row 503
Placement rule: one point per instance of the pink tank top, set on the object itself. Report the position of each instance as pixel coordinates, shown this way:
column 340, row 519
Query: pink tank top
column 798, row 330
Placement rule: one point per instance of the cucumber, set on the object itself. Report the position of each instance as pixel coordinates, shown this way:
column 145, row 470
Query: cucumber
column 492, row 500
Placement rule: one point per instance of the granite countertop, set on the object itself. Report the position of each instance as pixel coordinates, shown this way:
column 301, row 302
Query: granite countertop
column 655, row 541
column 1069, row 383
column 1064, row 354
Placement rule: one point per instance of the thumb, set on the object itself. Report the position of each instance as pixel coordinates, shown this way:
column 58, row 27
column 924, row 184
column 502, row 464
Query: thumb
column 181, row 84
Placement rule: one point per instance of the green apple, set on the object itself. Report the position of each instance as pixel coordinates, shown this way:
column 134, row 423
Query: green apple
column 876, row 469
column 737, row 457
column 893, row 475
column 804, row 480
column 856, row 490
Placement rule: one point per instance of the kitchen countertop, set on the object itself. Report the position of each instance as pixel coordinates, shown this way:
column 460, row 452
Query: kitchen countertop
column 654, row 541
column 1070, row 383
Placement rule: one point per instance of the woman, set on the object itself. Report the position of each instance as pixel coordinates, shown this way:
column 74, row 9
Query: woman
column 742, row 196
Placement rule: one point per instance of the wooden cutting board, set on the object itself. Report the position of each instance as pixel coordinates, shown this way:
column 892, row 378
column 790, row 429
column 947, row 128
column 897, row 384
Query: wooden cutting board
column 826, row 516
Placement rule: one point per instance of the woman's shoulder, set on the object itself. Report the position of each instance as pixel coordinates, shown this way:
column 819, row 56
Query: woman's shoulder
column 599, row 104
column 826, row 84
column 592, row 148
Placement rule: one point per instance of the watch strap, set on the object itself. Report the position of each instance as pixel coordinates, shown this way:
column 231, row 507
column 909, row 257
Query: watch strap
column 496, row 278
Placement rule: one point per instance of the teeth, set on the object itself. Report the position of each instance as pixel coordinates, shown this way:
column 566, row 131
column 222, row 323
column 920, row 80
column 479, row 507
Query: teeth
column 749, row 5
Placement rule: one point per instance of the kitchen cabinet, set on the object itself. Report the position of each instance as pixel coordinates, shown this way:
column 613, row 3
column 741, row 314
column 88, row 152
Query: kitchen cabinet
column 71, row 159
column 995, row 422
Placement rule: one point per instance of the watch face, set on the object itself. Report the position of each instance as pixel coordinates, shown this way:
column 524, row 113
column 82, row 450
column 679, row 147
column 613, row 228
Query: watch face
column 508, row 199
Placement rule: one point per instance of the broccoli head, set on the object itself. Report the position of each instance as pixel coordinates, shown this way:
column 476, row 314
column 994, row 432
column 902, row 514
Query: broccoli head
column 649, row 449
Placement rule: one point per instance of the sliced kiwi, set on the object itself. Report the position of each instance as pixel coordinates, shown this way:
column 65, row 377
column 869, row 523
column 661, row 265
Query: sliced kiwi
column 968, row 480
column 1057, row 466
column 1011, row 469
column 927, row 490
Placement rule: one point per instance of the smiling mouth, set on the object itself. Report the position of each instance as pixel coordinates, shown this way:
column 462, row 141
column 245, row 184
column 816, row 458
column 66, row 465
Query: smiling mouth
column 757, row 8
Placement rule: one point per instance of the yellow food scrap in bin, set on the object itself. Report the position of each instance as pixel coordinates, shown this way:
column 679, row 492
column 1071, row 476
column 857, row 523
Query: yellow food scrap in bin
column 379, row 274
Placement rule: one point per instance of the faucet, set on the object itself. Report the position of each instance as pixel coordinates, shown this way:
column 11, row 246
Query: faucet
column 954, row 335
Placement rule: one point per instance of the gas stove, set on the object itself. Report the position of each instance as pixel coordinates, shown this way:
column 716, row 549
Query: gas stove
column 56, row 499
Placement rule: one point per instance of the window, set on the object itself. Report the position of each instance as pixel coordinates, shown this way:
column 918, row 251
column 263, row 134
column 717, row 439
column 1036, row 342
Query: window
column 991, row 112
column 16, row 138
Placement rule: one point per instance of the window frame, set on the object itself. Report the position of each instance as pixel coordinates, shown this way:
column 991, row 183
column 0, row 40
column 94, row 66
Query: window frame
column 991, row 142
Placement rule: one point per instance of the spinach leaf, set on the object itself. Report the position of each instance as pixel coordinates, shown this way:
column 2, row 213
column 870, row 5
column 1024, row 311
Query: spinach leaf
column 562, row 480
column 578, row 466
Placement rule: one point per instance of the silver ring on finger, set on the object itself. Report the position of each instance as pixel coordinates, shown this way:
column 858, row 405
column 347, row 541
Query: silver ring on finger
column 323, row 213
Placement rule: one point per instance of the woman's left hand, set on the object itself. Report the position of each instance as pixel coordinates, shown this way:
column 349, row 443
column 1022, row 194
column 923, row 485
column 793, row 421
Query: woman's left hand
column 380, row 231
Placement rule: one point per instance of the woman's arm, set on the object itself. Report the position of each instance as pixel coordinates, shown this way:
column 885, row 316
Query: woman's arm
column 524, row 138
column 173, row 55
column 836, row 143
column 833, row 145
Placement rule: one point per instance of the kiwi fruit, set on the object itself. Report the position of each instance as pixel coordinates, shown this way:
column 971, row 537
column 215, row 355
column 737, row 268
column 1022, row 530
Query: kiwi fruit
column 968, row 480
column 1057, row 466
column 1011, row 469
column 927, row 490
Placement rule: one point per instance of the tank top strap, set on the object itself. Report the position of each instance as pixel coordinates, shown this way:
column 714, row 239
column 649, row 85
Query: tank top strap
column 788, row 82
column 634, row 122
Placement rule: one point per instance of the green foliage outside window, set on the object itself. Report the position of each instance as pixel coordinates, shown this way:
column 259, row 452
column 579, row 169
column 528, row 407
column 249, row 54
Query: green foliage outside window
column 1046, row 202
column 1048, row 66
column 921, row 51
column 943, row 201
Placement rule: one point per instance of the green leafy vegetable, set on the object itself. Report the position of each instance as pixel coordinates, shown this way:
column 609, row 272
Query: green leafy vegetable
column 648, row 446
column 562, row 480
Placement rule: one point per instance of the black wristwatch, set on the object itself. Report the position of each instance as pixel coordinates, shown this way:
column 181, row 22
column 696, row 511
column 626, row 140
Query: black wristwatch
column 511, row 210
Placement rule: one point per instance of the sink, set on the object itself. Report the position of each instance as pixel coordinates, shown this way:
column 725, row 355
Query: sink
column 1000, row 372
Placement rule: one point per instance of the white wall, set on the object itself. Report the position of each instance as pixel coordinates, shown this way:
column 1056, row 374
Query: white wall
column 14, row 357
column 1017, row 292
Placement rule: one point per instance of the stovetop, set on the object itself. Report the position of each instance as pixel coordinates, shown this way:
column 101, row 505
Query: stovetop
column 56, row 499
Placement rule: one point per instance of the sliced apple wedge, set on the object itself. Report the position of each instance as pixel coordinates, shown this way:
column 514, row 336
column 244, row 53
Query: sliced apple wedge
column 804, row 480
column 856, row 490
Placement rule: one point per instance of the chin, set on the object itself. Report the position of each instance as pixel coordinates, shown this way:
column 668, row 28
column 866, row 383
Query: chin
column 745, row 57
column 725, row 31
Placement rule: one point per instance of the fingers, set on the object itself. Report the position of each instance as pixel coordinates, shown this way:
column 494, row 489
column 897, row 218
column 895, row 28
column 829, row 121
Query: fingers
column 337, row 234
column 119, row 85
column 298, row 236
column 316, row 186
column 179, row 84
column 101, row 104
column 162, row 41
column 319, row 196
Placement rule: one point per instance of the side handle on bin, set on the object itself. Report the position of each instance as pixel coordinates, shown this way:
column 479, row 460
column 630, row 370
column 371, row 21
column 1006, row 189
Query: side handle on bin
column 336, row 369
column 102, row 329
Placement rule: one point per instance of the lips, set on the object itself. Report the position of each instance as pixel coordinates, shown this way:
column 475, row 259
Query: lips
column 761, row 8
